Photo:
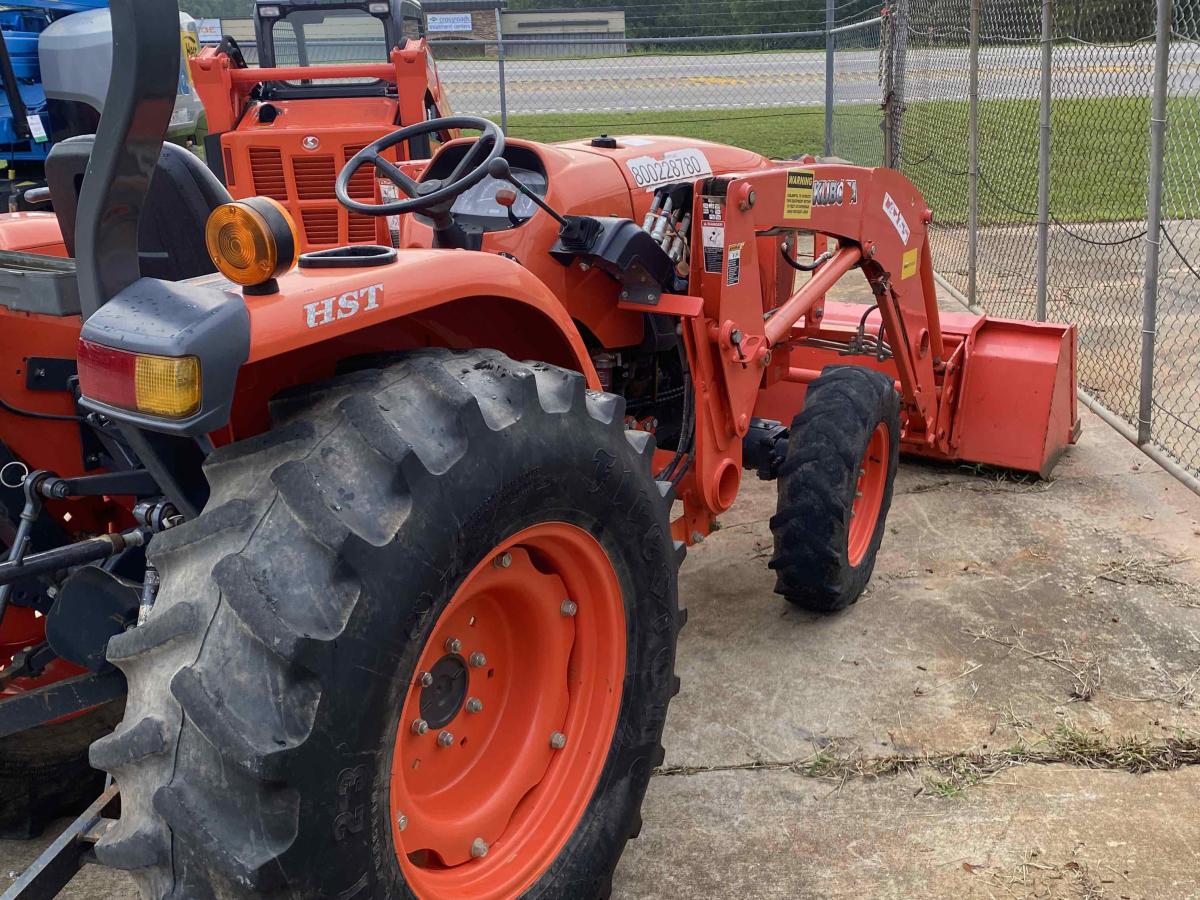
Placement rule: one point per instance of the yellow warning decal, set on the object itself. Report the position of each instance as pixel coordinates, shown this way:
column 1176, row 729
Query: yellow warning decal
column 909, row 263
column 798, row 197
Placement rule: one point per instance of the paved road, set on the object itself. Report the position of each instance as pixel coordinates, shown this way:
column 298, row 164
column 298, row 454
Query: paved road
column 739, row 81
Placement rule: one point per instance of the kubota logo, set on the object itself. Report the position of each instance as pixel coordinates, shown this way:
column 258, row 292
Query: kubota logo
column 343, row 306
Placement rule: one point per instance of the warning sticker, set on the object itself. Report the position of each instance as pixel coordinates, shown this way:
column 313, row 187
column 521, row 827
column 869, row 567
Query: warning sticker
column 735, row 265
column 798, row 197
column 892, row 210
column 909, row 266
column 712, row 230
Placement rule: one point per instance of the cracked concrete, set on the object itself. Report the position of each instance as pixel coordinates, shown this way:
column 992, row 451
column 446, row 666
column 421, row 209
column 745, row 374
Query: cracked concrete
column 992, row 604
column 995, row 606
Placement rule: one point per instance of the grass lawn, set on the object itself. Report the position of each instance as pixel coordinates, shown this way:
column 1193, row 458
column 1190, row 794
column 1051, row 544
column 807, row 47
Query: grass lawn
column 1099, row 150
column 782, row 132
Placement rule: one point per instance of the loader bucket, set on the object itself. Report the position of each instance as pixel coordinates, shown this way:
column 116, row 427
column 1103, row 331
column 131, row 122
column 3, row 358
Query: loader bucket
column 1016, row 406
column 1006, row 395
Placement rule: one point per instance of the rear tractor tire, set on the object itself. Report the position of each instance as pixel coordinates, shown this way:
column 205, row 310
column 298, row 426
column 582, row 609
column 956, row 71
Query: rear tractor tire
column 835, row 488
column 420, row 644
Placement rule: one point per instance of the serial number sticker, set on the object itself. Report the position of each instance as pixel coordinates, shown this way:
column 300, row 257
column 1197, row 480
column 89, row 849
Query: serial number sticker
column 892, row 210
column 675, row 165
column 735, row 265
column 909, row 263
column 798, row 195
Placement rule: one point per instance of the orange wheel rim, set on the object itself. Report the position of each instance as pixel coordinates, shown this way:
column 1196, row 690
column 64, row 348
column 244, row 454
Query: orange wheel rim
column 509, row 718
column 868, row 493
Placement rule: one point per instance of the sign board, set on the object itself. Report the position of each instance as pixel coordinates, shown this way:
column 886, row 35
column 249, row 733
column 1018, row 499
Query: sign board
column 444, row 22
column 210, row 30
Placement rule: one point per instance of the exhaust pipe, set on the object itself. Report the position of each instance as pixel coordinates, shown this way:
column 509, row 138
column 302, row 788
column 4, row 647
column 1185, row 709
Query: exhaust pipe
column 137, row 113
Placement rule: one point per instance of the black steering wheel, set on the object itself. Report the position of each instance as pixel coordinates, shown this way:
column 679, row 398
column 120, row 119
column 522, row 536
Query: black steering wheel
column 424, row 196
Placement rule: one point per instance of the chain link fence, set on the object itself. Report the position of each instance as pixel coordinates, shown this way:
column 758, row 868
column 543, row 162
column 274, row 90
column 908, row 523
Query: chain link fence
column 1029, row 126
column 761, row 90
column 857, row 50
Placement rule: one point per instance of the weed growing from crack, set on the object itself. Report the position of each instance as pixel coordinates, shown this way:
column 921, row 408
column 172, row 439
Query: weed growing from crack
column 948, row 775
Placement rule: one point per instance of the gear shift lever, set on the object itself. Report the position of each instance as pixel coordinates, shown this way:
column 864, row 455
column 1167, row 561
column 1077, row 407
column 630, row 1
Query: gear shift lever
column 499, row 169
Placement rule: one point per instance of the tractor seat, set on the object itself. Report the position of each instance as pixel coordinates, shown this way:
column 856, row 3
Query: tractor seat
column 171, row 235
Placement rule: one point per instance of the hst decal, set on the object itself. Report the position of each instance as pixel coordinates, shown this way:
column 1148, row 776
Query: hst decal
column 343, row 306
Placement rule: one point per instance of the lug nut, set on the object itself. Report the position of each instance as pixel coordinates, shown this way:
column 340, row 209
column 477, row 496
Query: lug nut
column 474, row 705
column 445, row 739
column 697, row 537
column 426, row 679
column 420, row 726
column 477, row 660
column 569, row 608
column 479, row 848
column 503, row 561
column 558, row 740
column 453, row 645
column 401, row 821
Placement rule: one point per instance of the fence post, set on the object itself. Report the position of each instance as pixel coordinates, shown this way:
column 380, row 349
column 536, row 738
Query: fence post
column 500, row 64
column 895, row 31
column 829, row 42
column 973, row 156
column 1158, row 127
column 900, row 69
column 1043, row 210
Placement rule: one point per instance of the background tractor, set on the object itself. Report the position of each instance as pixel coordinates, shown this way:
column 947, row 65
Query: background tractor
column 285, row 128
column 55, row 60
column 379, row 541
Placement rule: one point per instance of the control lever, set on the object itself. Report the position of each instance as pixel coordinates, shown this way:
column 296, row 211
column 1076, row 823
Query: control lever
column 499, row 169
column 37, row 196
column 575, row 232
column 507, row 197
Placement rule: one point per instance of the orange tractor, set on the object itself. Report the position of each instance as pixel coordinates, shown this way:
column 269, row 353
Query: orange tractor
column 285, row 128
column 380, row 541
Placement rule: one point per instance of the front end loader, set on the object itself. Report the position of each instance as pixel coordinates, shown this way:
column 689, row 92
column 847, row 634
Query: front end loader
column 379, row 541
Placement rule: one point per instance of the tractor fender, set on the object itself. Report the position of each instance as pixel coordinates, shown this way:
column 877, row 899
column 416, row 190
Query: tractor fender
column 320, row 316
column 463, row 299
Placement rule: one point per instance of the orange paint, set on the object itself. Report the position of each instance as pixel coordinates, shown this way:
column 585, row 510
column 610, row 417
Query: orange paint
column 495, row 775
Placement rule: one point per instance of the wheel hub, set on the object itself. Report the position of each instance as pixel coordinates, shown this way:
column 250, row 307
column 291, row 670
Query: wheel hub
column 516, row 700
column 442, row 700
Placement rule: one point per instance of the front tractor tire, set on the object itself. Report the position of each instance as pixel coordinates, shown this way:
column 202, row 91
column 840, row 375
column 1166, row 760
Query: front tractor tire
column 835, row 488
column 421, row 643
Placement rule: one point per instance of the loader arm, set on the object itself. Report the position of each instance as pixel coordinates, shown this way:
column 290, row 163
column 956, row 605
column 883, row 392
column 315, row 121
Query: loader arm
column 759, row 338
column 891, row 249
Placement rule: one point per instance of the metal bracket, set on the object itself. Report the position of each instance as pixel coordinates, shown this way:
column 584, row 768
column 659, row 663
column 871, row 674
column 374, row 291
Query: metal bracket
column 48, row 373
column 30, row 709
column 58, row 863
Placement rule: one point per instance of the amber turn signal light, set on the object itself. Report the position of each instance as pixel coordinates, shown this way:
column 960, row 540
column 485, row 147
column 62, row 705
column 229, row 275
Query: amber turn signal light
column 252, row 242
